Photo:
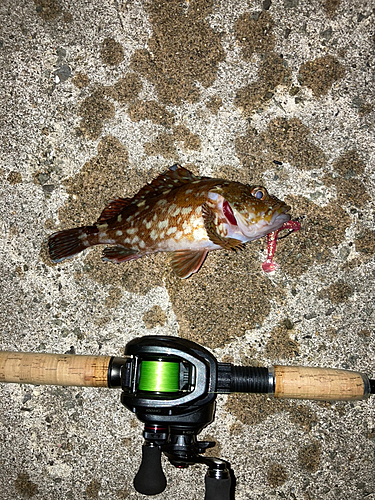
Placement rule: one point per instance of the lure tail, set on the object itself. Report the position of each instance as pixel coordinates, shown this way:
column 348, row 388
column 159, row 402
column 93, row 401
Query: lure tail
column 65, row 244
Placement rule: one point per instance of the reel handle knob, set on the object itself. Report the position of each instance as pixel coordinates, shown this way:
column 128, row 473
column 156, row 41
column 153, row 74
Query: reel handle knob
column 218, row 480
column 217, row 488
column 150, row 478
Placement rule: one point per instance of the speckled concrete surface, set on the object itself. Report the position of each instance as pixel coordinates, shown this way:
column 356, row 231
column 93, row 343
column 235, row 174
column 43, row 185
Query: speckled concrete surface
column 96, row 99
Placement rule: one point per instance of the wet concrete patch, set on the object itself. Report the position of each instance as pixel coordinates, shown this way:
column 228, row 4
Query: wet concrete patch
column 183, row 50
column 155, row 317
column 102, row 178
column 283, row 140
column 24, row 486
column 253, row 409
column 323, row 229
column 276, row 475
column 228, row 296
column 111, row 52
column 320, row 74
column 254, row 33
column 273, row 71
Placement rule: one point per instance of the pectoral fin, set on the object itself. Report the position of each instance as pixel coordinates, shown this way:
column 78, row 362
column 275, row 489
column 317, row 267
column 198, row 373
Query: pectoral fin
column 213, row 234
column 187, row 262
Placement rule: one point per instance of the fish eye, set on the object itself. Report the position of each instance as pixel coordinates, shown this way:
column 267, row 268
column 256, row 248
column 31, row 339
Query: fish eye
column 259, row 193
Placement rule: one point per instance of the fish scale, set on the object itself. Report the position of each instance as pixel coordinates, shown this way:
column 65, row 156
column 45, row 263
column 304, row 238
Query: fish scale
column 180, row 213
column 160, row 225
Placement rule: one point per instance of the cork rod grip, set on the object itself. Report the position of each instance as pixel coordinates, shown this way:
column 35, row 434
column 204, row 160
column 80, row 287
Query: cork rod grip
column 54, row 369
column 322, row 384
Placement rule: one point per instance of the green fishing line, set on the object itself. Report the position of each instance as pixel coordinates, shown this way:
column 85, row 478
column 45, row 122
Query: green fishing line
column 159, row 376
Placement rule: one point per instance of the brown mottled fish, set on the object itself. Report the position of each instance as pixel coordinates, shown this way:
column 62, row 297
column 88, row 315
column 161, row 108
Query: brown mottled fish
column 184, row 214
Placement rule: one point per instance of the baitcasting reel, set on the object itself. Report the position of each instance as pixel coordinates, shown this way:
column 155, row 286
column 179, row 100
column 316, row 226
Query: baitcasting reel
column 171, row 385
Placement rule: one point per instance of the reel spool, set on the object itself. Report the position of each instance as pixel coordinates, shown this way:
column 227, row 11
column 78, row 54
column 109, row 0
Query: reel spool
column 159, row 376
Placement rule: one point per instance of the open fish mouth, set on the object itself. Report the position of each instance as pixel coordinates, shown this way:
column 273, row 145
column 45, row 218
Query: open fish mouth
column 277, row 220
column 264, row 227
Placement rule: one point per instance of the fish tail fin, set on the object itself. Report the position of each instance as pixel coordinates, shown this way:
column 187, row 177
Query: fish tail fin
column 70, row 242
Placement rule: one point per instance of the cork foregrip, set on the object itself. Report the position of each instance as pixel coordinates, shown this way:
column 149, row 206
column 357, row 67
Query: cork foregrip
column 323, row 384
column 54, row 369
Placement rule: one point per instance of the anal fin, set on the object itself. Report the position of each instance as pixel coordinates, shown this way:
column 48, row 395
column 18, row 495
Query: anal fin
column 120, row 254
column 187, row 262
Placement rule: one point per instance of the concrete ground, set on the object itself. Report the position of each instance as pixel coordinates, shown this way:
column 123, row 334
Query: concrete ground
column 96, row 99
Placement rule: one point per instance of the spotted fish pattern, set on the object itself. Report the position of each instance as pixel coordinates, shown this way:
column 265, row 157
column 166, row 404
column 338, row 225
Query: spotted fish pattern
column 181, row 213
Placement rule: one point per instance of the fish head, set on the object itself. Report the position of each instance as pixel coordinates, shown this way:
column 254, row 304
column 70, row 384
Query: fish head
column 250, row 212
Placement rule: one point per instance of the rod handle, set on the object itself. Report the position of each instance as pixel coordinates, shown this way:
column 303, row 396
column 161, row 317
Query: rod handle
column 322, row 384
column 54, row 369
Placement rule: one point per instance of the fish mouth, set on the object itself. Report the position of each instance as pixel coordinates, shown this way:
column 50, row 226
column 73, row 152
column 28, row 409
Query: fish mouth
column 280, row 218
column 277, row 220
column 263, row 227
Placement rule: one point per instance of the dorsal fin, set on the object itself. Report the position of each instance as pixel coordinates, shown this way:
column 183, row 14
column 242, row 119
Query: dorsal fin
column 113, row 208
column 175, row 176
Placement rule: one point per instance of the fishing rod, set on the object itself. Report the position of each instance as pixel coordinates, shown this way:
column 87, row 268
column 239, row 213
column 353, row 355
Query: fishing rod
column 171, row 385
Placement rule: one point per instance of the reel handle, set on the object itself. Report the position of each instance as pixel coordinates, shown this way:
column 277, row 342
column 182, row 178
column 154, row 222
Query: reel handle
column 150, row 478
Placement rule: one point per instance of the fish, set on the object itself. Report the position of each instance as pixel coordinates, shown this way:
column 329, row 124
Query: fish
column 184, row 214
